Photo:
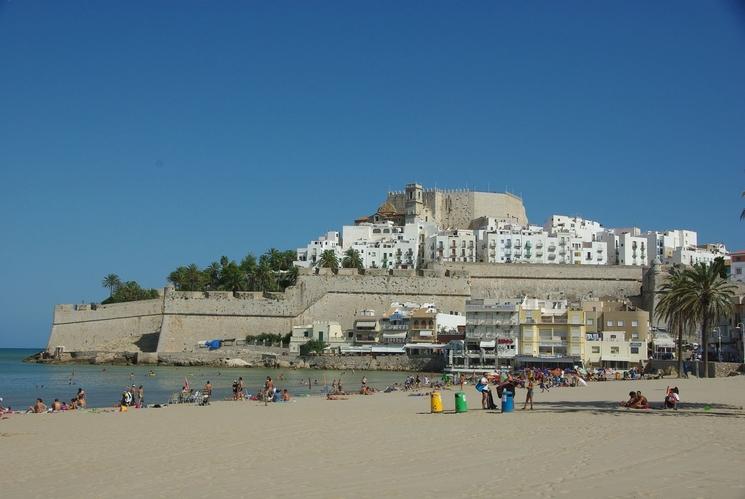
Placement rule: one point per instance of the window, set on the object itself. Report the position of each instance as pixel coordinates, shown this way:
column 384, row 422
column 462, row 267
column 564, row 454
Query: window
column 305, row 334
column 738, row 270
column 635, row 350
column 614, row 350
column 609, row 324
column 590, row 322
column 620, row 323
column 634, row 323
column 595, row 349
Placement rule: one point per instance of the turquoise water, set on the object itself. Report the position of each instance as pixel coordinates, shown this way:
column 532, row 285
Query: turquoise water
column 21, row 383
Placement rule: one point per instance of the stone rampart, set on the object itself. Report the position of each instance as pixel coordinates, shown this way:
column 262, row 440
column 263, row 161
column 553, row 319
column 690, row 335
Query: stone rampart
column 118, row 327
column 178, row 320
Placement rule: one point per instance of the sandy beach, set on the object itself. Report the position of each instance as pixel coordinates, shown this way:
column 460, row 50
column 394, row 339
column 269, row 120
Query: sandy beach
column 576, row 443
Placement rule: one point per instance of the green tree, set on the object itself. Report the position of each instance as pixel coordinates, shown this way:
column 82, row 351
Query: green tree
column 131, row 291
column 701, row 296
column 352, row 259
column 671, row 311
column 315, row 346
column 329, row 260
column 112, row 282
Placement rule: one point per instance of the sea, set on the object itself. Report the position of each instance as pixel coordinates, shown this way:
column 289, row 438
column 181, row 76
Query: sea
column 22, row 383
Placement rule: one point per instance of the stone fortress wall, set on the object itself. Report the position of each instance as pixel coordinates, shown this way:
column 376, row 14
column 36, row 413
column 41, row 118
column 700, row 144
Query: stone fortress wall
column 178, row 320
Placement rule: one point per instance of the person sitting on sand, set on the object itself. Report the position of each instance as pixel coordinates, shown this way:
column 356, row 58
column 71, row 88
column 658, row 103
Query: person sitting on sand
column 335, row 397
column 641, row 401
column 672, row 398
column 285, row 395
column 633, row 398
column 38, row 408
column 56, row 406
column 80, row 399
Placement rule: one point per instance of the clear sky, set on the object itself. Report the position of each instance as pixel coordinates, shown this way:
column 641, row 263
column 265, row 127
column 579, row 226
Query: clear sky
column 138, row 136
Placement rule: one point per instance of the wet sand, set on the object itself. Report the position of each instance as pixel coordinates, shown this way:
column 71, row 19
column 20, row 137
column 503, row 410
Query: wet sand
column 576, row 443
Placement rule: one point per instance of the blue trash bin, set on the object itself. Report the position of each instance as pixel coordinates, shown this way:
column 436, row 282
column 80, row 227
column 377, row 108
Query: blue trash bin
column 508, row 402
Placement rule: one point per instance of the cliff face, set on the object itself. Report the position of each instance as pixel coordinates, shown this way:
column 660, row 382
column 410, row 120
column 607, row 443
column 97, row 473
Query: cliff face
column 178, row 320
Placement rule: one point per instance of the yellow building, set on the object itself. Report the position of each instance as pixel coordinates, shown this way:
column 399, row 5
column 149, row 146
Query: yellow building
column 549, row 329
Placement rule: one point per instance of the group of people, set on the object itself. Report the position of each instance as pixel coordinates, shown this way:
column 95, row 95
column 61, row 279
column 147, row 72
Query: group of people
column 638, row 401
column 77, row 402
column 133, row 396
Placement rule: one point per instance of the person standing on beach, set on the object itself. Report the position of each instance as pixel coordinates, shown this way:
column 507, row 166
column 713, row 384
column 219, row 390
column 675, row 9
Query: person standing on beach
column 268, row 389
column 241, row 387
column 140, row 397
column 529, row 395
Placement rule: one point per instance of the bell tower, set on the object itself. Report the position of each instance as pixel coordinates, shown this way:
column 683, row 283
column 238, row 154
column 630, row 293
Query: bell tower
column 414, row 203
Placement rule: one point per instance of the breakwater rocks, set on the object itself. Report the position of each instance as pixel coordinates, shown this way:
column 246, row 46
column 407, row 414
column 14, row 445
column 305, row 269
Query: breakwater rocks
column 247, row 359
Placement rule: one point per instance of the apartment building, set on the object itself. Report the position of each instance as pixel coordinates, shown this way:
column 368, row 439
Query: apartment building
column 451, row 246
column 549, row 328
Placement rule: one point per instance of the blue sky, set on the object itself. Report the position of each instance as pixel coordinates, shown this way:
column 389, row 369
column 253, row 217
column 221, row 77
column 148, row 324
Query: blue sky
column 139, row 136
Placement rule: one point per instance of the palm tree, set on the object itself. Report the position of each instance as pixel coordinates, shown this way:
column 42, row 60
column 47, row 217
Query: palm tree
column 702, row 296
column 112, row 282
column 669, row 310
column 328, row 260
column 352, row 259
column 742, row 213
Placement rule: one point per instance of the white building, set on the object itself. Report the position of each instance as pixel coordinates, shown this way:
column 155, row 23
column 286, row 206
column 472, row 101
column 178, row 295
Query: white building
column 385, row 245
column 663, row 244
column 699, row 254
column 308, row 256
column 586, row 230
column 329, row 332
column 451, row 246
column 625, row 248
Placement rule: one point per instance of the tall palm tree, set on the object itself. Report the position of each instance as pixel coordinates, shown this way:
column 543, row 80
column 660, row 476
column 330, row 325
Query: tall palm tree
column 112, row 282
column 703, row 296
column 329, row 260
column 670, row 310
column 742, row 213
column 352, row 259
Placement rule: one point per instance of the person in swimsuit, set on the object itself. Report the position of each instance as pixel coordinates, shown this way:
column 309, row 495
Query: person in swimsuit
column 38, row 408
column 632, row 400
column 80, row 399
column 529, row 395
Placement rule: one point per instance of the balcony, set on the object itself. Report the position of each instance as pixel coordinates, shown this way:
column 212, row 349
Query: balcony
column 539, row 244
column 552, row 247
column 552, row 257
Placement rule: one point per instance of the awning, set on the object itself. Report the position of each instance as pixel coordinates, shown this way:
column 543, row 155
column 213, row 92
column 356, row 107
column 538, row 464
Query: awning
column 487, row 344
column 421, row 346
column 395, row 335
column 388, row 349
column 425, row 333
column 365, row 324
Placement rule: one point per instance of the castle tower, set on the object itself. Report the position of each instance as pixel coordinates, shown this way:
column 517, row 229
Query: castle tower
column 414, row 203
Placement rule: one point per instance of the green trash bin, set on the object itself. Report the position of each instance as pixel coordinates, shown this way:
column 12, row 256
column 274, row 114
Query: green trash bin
column 461, row 405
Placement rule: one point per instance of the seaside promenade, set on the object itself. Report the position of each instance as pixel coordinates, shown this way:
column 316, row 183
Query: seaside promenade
column 576, row 443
